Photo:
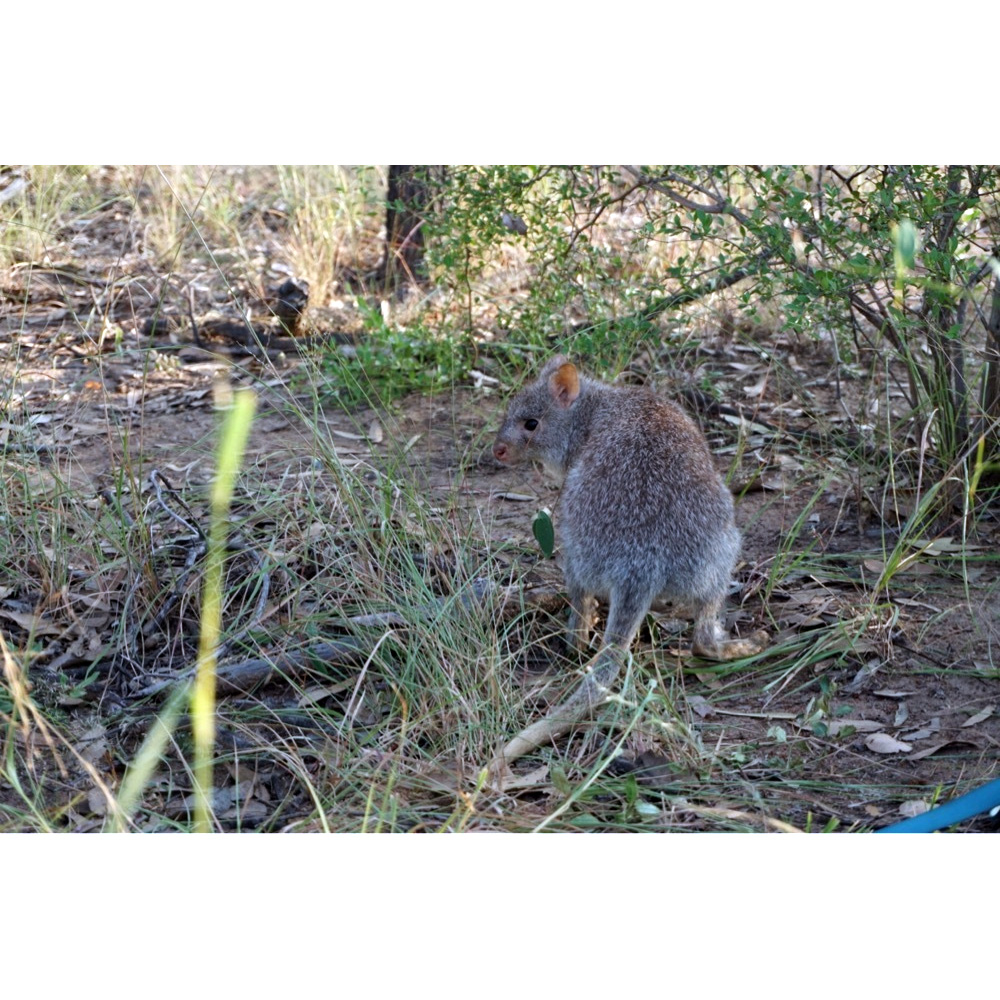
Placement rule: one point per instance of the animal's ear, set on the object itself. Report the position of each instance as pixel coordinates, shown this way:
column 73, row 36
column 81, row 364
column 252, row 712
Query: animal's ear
column 564, row 384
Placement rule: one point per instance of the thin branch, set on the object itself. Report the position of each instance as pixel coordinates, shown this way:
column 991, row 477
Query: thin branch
column 715, row 207
column 593, row 220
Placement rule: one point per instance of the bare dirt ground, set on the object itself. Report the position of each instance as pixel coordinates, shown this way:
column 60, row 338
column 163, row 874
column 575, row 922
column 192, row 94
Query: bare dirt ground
column 841, row 725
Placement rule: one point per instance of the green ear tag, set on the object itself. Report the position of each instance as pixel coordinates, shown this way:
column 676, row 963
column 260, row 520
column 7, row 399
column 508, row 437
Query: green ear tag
column 543, row 531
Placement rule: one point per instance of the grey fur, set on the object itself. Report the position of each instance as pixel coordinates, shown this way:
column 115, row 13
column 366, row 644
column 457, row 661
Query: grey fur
column 644, row 514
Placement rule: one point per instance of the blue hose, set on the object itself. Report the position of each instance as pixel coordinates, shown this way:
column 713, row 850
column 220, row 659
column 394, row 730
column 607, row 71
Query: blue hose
column 964, row 807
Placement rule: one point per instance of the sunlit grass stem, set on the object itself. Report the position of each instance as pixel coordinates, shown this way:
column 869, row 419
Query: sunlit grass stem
column 232, row 444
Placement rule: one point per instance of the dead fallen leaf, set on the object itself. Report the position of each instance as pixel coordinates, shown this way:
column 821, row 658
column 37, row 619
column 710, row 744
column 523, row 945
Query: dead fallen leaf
column 97, row 802
column 911, row 565
column 743, row 817
column 914, row 807
column 757, row 715
column 314, row 695
column 942, row 546
column 701, row 706
column 251, row 811
column 864, row 672
column 746, row 426
column 480, row 379
column 835, row 726
column 910, row 603
column 529, row 780
column 980, row 716
column 93, row 744
column 921, row 754
column 35, row 624
column 884, row 743
column 932, row 728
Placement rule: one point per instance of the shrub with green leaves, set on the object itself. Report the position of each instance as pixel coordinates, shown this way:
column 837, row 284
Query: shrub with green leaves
column 892, row 266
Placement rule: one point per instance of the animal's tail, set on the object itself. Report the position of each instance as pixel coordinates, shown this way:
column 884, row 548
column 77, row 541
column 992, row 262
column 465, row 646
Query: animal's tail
column 602, row 672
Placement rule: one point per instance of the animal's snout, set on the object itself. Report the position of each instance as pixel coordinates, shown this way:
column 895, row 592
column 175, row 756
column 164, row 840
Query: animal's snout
column 501, row 452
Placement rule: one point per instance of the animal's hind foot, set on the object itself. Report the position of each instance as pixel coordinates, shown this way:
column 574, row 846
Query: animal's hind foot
column 713, row 647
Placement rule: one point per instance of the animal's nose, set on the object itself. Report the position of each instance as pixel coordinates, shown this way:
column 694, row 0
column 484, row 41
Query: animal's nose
column 500, row 452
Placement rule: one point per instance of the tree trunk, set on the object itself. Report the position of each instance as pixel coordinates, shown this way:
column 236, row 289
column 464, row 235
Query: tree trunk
column 991, row 394
column 406, row 203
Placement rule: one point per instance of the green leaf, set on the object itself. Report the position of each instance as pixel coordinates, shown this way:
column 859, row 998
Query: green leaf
column 559, row 780
column 904, row 236
column 826, row 280
column 545, row 535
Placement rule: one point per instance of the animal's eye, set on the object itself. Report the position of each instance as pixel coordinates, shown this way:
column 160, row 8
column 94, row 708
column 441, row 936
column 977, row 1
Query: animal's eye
column 531, row 424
